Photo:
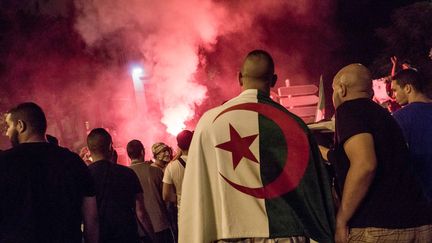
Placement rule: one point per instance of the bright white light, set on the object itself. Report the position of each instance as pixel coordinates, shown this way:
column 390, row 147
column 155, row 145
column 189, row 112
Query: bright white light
column 175, row 129
column 137, row 77
column 174, row 118
column 137, row 71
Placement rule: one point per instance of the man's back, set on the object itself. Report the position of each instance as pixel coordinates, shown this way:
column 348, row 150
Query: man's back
column 174, row 174
column 415, row 120
column 394, row 199
column 42, row 187
column 151, row 182
column 116, row 189
column 251, row 173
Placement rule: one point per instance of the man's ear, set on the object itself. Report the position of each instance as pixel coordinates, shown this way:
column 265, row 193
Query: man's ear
column 240, row 76
column 341, row 89
column 408, row 88
column 273, row 80
column 21, row 126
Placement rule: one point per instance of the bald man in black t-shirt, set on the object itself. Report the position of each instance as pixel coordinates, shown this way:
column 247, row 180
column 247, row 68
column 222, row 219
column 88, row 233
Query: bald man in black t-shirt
column 381, row 200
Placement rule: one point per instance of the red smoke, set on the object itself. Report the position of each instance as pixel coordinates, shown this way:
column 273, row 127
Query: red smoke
column 190, row 50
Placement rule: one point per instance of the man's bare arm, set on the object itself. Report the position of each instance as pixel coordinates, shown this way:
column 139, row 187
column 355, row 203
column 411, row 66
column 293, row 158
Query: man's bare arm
column 169, row 193
column 90, row 219
column 394, row 61
column 143, row 216
column 324, row 152
column 361, row 154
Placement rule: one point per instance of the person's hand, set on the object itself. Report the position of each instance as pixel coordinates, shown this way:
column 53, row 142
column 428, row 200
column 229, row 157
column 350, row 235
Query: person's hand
column 85, row 155
column 394, row 60
column 342, row 231
column 84, row 151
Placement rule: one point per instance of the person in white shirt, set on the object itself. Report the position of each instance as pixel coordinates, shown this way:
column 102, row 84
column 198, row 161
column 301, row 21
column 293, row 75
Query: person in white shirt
column 173, row 176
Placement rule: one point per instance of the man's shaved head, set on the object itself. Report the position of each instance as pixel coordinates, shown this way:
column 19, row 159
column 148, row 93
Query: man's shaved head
column 99, row 142
column 355, row 77
column 135, row 149
column 352, row 81
column 258, row 71
column 258, row 64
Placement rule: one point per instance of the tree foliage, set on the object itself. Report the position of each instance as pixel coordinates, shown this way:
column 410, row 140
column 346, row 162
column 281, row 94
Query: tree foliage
column 409, row 37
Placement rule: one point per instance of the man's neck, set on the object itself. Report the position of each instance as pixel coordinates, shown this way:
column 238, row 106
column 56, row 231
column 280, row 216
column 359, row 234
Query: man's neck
column 159, row 164
column 418, row 97
column 33, row 139
column 97, row 157
column 357, row 95
column 135, row 161
column 260, row 87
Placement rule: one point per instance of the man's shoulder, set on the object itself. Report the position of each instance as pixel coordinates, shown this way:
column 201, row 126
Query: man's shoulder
column 212, row 113
column 173, row 165
column 33, row 152
column 145, row 168
column 71, row 156
column 123, row 169
column 416, row 107
column 9, row 152
column 96, row 164
column 5, row 158
column 414, row 112
column 138, row 165
column 125, row 174
column 246, row 97
column 241, row 98
column 155, row 170
column 360, row 109
column 401, row 113
column 21, row 150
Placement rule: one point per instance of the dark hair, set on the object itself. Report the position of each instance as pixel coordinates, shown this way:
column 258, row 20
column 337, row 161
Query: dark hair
column 412, row 77
column 265, row 55
column 134, row 148
column 32, row 115
column 99, row 141
column 184, row 139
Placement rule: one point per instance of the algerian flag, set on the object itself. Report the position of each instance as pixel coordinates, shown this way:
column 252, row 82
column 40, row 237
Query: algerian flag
column 320, row 111
column 252, row 173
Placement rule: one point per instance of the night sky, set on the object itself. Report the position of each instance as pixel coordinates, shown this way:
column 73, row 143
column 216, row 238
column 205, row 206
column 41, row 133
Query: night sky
column 358, row 20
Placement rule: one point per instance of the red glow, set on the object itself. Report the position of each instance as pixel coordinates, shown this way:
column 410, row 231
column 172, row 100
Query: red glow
column 191, row 50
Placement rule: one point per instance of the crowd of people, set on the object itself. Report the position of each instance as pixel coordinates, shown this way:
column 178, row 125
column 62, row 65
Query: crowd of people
column 250, row 172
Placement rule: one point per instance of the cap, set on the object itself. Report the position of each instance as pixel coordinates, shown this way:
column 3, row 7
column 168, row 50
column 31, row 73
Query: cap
column 184, row 139
column 158, row 147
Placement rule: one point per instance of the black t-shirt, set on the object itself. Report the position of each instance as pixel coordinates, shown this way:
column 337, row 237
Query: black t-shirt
column 116, row 189
column 394, row 199
column 41, row 191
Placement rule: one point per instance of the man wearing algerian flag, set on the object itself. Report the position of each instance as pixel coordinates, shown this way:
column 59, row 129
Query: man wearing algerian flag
column 254, row 171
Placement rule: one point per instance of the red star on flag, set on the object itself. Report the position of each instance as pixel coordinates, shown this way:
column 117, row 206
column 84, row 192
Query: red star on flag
column 239, row 147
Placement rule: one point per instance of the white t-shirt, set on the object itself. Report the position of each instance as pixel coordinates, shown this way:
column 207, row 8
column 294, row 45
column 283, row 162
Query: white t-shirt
column 174, row 175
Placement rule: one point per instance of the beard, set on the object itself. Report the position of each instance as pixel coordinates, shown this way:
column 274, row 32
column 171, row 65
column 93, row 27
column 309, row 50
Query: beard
column 14, row 138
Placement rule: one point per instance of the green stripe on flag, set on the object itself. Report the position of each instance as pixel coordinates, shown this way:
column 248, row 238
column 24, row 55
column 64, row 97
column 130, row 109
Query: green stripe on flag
column 272, row 160
column 308, row 209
